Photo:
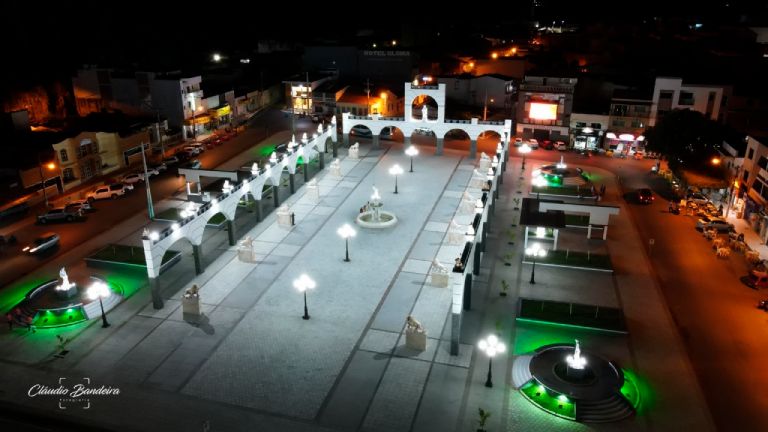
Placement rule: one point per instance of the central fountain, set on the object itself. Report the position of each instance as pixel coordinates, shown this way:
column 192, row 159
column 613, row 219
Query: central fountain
column 372, row 215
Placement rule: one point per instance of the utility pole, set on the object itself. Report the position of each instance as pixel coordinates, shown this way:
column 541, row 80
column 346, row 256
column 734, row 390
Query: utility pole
column 150, row 207
column 485, row 107
column 368, row 93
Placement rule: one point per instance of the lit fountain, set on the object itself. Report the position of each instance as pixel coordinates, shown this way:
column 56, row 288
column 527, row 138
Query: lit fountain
column 576, row 363
column 374, row 216
column 65, row 289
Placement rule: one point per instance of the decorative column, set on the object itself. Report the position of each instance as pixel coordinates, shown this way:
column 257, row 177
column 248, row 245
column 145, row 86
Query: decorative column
column 258, row 210
column 439, row 149
column 291, row 179
column 157, row 299
column 231, row 232
column 276, row 192
column 473, row 148
column 305, row 167
column 467, row 291
column 345, row 137
column 376, row 141
column 476, row 263
column 197, row 254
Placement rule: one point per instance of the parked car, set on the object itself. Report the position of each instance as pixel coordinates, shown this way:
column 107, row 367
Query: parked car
column 547, row 145
column 194, row 150
column 157, row 169
column 533, row 143
column 59, row 214
column 173, row 160
column 718, row 224
column 697, row 198
column 194, row 164
column 106, row 192
column 42, row 243
column 360, row 131
column 560, row 146
column 82, row 206
column 755, row 279
column 518, row 141
column 132, row 178
column 387, row 133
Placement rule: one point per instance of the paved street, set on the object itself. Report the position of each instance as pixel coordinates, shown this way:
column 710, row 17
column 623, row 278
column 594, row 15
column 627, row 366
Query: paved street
column 14, row 264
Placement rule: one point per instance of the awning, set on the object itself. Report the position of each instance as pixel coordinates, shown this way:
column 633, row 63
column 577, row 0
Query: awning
column 219, row 112
column 199, row 119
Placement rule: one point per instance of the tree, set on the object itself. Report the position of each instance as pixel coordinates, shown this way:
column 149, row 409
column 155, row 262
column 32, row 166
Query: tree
column 686, row 137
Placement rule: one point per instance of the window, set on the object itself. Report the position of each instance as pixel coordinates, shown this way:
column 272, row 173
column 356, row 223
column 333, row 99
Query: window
column 63, row 155
column 617, row 123
column 581, row 124
column 620, row 110
column 711, row 97
column 686, row 98
column 595, row 125
column 69, row 174
column 751, row 154
column 666, row 94
column 637, row 123
column 763, row 162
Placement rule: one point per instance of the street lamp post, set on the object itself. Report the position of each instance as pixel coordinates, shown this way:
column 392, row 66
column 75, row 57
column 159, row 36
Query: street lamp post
column 50, row 166
column 395, row 171
column 491, row 346
column 150, row 206
column 535, row 251
column 100, row 290
column 304, row 283
column 524, row 150
column 412, row 151
column 346, row 232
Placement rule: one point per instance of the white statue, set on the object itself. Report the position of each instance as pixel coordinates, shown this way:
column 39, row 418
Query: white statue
column 411, row 324
column 355, row 146
column 477, row 174
column 438, row 268
column 64, row 278
column 468, row 197
column 192, row 292
column 455, row 227
column 255, row 169
column 576, row 361
column 424, row 112
column 484, row 156
column 375, row 198
column 284, row 209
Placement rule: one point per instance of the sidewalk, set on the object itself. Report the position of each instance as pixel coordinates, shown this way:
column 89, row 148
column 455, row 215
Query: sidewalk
column 751, row 238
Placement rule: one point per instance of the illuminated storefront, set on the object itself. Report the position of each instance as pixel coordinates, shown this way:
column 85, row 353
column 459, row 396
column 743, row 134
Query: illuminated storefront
column 624, row 143
column 301, row 98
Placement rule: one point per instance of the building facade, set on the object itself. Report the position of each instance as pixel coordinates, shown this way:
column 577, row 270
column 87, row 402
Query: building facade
column 587, row 131
column 630, row 115
column 672, row 93
column 544, row 108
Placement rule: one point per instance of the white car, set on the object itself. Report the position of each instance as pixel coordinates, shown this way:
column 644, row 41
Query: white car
column 518, row 142
column 698, row 198
column 561, row 146
column 132, row 178
column 191, row 150
column 533, row 143
column 106, row 192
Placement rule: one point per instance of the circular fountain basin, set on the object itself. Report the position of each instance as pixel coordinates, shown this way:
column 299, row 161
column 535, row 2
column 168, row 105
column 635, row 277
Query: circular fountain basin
column 386, row 220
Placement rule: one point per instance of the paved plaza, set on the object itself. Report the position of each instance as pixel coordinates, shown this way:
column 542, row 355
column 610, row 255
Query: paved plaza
column 253, row 363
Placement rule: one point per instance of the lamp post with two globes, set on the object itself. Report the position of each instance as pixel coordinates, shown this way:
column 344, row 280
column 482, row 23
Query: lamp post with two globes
column 346, row 232
column 491, row 346
column 304, row 283
column 395, row 171
column 412, row 151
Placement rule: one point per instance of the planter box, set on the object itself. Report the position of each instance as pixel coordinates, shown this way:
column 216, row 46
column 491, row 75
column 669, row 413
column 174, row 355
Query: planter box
column 439, row 279
column 190, row 306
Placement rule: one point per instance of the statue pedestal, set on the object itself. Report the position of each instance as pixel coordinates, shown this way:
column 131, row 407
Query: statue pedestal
column 68, row 293
column 576, row 373
column 354, row 153
column 456, row 238
column 190, row 306
column 313, row 193
column 478, row 183
column 245, row 253
column 485, row 163
column 416, row 340
column 284, row 219
column 439, row 279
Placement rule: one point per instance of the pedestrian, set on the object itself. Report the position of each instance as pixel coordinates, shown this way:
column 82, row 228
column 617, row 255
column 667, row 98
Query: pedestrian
column 29, row 324
column 720, row 209
column 9, row 317
column 602, row 190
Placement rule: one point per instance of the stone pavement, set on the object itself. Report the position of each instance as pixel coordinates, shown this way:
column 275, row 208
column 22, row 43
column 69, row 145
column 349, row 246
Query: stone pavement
column 254, row 364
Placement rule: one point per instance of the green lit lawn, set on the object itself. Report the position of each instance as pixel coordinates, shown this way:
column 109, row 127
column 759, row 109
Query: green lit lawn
column 59, row 318
column 575, row 259
column 127, row 254
column 11, row 295
column 553, row 404
column 571, row 314
column 638, row 392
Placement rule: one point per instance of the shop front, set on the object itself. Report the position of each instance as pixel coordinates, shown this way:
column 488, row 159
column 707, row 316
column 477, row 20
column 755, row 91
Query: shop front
column 586, row 138
column 220, row 116
column 624, row 143
column 198, row 125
